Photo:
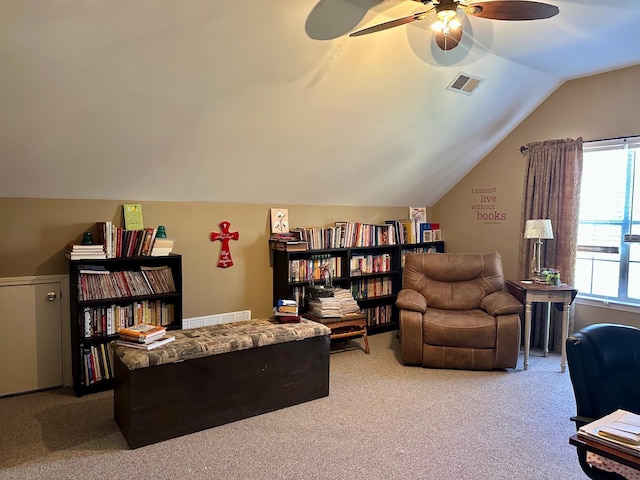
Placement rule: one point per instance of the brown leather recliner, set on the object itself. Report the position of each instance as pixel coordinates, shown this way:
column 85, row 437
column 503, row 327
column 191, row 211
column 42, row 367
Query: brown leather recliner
column 456, row 313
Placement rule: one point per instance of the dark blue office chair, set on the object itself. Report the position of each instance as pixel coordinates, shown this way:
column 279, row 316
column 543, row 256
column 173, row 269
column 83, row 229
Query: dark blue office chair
column 604, row 366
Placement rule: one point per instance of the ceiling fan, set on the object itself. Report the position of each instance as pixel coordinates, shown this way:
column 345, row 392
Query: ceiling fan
column 448, row 29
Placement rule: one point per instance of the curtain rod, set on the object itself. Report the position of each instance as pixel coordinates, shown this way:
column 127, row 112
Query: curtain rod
column 523, row 148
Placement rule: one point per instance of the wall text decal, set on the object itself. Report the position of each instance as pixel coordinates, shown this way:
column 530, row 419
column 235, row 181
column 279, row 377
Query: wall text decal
column 483, row 204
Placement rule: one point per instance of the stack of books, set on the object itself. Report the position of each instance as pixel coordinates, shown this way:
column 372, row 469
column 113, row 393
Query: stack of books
column 288, row 242
column 162, row 247
column 85, row 252
column 144, row 336
column 286, row 311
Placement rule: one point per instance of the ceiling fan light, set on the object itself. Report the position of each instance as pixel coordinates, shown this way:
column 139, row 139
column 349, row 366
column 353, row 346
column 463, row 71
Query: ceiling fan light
column 438, row 26
column 445, row 16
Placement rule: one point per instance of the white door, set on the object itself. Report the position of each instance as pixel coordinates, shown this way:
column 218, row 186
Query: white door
column 30, row 337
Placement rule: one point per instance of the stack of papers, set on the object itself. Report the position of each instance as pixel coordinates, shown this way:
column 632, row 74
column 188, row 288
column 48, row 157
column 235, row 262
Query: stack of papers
column 347, row 303
column 620, row 429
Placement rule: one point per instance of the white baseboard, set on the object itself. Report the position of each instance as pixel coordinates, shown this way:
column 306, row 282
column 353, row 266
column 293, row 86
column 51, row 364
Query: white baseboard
column 215, row 319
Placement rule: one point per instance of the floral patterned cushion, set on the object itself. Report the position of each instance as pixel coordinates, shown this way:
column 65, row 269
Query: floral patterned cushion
column 228, row 337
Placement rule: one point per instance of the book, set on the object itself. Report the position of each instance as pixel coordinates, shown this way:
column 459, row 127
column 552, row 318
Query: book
column 162, row 247
column 142, row 331
column 146, row 346
column 620, row 430
column 285, row 310
column 79, row 247
column 148, row 339
column 289, row 246
column 285, row 301
column 133, row 216
column 93, row 269
column 288, row 318
column 426, row 234
column 85, row 256
column 149, row 240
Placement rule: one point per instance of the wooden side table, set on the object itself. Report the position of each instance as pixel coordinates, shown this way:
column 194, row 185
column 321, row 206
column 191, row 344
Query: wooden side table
column 615, row 454
column 530, row 292
column 351, row 325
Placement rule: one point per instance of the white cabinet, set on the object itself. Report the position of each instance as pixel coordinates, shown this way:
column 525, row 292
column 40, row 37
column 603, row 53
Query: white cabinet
column 31, row 334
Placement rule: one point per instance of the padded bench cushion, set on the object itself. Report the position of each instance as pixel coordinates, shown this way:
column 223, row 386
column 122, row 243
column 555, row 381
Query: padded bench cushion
column 228, row 337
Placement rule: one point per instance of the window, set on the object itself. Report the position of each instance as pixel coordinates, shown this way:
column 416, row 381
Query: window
column 608, row 257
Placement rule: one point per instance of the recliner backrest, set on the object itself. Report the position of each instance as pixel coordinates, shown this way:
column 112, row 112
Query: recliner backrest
column 454, row 281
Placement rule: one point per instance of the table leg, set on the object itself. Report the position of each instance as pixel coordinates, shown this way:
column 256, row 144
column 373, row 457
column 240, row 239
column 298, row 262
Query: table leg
column 547, row 328
column 527, row 332
column 565, row 334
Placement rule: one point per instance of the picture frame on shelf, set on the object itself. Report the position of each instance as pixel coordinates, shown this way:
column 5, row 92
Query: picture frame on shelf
column 279, row 220
column 437, row 235
column 418, row 214
column 427, row 236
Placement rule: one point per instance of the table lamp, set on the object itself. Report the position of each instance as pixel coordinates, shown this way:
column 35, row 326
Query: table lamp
column 539, row 229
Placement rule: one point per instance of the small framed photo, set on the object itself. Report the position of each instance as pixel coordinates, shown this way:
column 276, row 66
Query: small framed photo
column 279, row 220
column 437, row 235
column 418, row 214
column 427, row 236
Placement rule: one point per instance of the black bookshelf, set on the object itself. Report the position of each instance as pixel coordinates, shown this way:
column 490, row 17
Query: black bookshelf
column 94, row 349
column 381, row 285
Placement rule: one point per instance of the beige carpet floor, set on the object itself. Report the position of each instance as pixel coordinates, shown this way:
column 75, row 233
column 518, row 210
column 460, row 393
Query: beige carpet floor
column 381, row 420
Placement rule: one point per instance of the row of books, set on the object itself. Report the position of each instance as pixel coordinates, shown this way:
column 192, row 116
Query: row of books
column 363, row 264
column 379, row 315
column 97, row 363
column 95, row 282
column 357, row 234
column 372, row 287
column 119, row 242
column 303, row 269
column 429, row 249
column 104, row 320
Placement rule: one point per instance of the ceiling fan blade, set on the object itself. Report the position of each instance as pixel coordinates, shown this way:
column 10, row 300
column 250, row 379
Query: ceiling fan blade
column 393, row 23
column 512, row 10
column 449, row 41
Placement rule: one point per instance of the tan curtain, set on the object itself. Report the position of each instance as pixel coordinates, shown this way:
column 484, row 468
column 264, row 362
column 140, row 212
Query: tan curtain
column 552, row 190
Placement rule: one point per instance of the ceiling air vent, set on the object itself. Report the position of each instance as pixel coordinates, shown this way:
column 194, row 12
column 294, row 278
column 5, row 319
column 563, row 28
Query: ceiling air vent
column 464, row 83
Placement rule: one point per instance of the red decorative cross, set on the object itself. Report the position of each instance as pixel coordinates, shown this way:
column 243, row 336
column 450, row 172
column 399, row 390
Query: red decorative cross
column 224, row 260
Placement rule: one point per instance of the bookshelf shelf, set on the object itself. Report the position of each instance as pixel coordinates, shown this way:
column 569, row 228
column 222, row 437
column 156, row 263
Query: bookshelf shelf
column 91, row 361
column 291, row 271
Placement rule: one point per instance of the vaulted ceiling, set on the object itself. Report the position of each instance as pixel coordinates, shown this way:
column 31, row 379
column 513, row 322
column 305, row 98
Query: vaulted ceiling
column 270, row 101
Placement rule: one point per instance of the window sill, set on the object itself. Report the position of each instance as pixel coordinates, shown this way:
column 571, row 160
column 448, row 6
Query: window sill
column 609, row 304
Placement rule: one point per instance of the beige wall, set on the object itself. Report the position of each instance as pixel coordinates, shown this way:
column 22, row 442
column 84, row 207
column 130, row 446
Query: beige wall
column 596, row 107
column 36, row 232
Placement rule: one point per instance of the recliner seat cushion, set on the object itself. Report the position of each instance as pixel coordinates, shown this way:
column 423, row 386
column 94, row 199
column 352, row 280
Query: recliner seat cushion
column 464, row 329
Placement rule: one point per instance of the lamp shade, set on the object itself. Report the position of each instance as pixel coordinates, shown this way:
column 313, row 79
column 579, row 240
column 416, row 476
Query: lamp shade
column 538, row 229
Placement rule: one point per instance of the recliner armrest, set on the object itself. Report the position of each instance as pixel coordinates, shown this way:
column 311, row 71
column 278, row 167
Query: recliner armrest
column 411, row 300
column 501, row 303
